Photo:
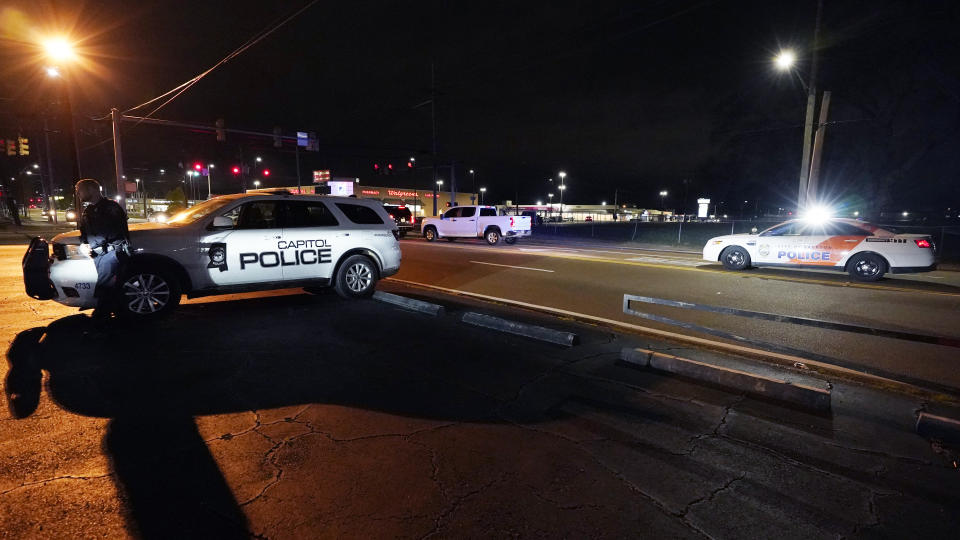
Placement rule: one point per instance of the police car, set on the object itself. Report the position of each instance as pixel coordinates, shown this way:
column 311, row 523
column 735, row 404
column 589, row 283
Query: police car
column 233, row 243
column 863, row 250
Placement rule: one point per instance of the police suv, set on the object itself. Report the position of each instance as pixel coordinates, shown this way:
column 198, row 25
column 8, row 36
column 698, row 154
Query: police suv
column 233, row 243
column 863, row 250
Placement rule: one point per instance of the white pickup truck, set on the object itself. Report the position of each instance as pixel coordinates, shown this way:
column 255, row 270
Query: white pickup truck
column 476, row 222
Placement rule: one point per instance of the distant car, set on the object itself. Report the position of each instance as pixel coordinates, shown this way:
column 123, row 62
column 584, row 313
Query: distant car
column 863, row 250
column 401, row 216
column 588, row 218
column 234, row 243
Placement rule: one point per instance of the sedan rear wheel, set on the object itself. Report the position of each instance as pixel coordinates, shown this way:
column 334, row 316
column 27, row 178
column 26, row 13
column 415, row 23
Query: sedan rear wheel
column 866, row 267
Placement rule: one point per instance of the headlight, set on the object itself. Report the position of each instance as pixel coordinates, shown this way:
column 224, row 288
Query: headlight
column 71, row 215
column 81, row 251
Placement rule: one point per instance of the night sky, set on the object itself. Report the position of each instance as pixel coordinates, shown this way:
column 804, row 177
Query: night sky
column 627, row 96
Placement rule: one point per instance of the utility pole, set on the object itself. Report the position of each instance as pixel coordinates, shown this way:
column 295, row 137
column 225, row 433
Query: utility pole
column 433, row 126
column 453, row 184
column 808, row 122
column 118, row 158
column 818, row 148
column 52, row 191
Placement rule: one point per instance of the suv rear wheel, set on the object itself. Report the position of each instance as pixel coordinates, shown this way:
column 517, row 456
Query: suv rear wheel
column 356, row 277
column 147, row 294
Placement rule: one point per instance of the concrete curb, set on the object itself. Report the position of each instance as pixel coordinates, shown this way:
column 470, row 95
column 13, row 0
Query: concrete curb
column 932, row 426
column 799, row 395
column 409, row 303
column 567, row 339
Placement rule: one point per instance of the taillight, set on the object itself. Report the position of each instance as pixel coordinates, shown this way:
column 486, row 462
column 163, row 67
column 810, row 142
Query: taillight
column 392, row 216
column 511, row 222
column 922, row 243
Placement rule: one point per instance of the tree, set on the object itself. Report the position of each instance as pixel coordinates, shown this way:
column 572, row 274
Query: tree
column 178, row 200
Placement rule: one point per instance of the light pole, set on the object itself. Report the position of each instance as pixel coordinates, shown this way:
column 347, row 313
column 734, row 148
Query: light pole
column 256, row 184
column 663, row 193
column 60, row 52
column 562, row 187
column 436, row 193
column 785, row 62
column 482, row 191
column 550, row 202
column 209, row 173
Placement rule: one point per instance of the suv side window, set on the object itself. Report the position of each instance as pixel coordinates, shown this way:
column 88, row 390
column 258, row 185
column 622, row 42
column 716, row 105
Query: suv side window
column 484, row 212
column 258, row 215
column 308, row 214
column 359, row 214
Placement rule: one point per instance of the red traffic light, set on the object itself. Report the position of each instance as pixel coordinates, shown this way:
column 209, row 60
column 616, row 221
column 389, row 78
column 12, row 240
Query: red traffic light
column 236, row 170
column 266, row 172
column 390, row 166
column 409, row 164
column 376, row 166
column 197, row 166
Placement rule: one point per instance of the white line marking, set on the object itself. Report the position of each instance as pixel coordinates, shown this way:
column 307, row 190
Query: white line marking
column 510, row 266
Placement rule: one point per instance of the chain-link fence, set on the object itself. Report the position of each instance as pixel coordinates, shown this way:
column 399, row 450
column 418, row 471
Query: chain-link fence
column 693, row 235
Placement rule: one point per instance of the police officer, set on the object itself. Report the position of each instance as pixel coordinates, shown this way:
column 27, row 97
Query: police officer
column 103, row 225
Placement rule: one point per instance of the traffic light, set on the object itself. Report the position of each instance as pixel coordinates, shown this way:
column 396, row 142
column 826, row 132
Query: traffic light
column 11, row 147
column 409, row 164
column 221, row 134
column 266, row 172
column 197, row 166
column 24, row 146
column 389, row 168
column 235, row 170
column 376, row 168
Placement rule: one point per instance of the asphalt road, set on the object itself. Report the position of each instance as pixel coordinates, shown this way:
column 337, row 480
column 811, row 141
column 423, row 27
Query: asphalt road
column 290, row 415
column 592, row 278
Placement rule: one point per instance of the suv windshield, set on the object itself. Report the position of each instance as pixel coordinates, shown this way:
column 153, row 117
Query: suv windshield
column 199, row 211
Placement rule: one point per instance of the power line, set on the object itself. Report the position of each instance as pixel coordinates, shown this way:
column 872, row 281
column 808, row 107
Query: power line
column 181, row 88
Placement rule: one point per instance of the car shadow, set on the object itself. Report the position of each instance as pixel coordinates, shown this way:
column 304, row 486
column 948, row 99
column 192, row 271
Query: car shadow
column 242, row 355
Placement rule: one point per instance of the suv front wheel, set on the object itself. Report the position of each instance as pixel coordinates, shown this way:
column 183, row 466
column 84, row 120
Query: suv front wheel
column 356, row 277
column 147, row 294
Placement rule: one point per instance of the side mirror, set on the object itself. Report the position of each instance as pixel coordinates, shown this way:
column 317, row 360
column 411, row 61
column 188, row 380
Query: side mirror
column 222, row 222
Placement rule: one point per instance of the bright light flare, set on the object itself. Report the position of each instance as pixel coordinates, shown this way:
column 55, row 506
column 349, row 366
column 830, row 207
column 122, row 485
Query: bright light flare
column 785, row 60
column 59, row 49
column 817, row 214
column 53, row 72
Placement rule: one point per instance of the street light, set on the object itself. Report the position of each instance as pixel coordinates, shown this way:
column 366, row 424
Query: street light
column 256, row 184
column 59, row 51
column 259, row 159
column 550, row 199
column 52, row 72
column 482, row 191
column 663, row 194
column 562, row 187
column 785, row 60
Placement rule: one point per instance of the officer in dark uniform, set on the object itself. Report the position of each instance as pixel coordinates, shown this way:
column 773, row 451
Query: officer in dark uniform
column 103, row 225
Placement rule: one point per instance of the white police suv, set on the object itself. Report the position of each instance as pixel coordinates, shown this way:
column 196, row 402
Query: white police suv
column 233, row 243
column 863, row 250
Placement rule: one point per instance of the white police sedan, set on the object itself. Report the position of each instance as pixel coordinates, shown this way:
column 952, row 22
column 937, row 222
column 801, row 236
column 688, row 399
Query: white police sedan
column 234, row 243
column 863, row 250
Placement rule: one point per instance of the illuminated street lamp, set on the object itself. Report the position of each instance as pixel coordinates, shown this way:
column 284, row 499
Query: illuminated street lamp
column 482, row 191
column 256, row 184
column 785, row 60
column 259, row 159
column 550, row 199
column 663, row 193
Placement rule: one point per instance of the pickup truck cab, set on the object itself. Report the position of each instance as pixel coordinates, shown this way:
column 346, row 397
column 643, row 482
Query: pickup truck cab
column 476, row 222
